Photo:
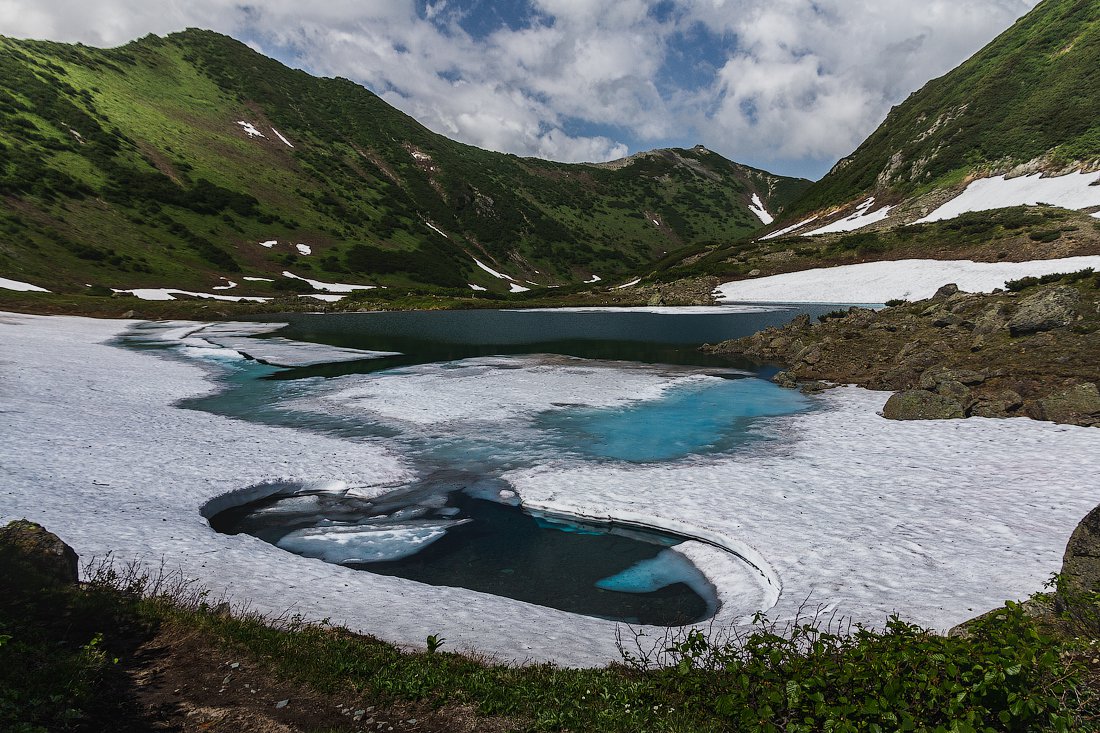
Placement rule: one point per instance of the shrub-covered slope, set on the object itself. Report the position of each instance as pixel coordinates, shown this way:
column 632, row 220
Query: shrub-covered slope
column 168, row 161
column 1032, row 95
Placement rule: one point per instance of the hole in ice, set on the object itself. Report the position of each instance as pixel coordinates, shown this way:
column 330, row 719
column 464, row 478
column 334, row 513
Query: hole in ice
column 464, row 530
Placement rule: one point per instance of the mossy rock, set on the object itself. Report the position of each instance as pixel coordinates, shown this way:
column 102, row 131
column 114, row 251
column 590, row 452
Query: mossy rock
column 919, row 404
column 42, row 549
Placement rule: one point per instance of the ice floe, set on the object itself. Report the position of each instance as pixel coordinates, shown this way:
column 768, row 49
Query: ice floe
column 330, row 287
column 22, row 287
column 304, row 249
column 757, row 207
column 878, row 282
column 863, row 216
column 278, row 351
column 251, row 129
column 1071, row 191
column 352, row 544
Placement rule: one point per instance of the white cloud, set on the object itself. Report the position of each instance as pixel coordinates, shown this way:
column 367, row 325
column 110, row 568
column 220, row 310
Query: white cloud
column 798, row 80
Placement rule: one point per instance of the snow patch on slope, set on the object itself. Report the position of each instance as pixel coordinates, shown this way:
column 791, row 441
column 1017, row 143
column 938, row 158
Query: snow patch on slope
column 757, row 207
column 304, row 249
column 1071, row 191
column 171, row 293
column 280, row 136
column 878, row 282
column 863, row 216
column 788, row 230
column 251, row 129
column 22, row 287
column 330, row 287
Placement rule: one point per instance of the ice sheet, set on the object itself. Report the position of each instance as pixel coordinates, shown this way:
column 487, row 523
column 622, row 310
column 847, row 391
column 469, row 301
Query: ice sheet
column 359, row 544
column 937, row 520
column 1071, row 191
column 878, row 282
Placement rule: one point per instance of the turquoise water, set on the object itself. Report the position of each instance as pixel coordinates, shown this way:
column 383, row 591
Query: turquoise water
column 480, row 540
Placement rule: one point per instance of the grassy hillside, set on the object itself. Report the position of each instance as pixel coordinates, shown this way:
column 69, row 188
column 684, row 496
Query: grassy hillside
column 130, row 167
column 1033, row 93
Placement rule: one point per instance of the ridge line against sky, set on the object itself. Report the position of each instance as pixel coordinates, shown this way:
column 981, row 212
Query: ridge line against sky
column 790, row 86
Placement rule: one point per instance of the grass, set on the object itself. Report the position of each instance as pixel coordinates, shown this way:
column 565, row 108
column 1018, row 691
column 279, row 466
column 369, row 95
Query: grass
column 815, row 674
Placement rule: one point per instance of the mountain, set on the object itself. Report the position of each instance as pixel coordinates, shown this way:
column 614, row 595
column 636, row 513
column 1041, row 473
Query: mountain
column 960, row 169
column 1028, row 102
column 192, row 162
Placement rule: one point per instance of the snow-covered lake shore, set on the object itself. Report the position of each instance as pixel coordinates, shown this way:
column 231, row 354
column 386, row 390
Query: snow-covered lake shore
column 938, row 521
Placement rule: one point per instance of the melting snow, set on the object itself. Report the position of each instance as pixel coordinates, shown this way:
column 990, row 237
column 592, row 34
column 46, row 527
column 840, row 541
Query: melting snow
column 757, row 207
column 630, row 284
column 1071, row 191
column 863, row 216
column 331, row 287
column 326, row 298
column 251, row 129
column 788, row 230
column 228, row 286
column 491, row 271
column 171, row 293
column 476, row 287
column 656, row 223
column 434, row 228
column 280, row 136
column 304, row 249
column 259, row 279
column 7, row 284
column 593, row 279
column 517, row 288
column 939, row 520
column 878, row 282
column 269, row 243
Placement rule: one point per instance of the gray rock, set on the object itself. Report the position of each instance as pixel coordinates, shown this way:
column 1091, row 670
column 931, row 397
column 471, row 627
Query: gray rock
column 919, row 404
column 1046, row 310
column 810, row 355
column 1072, row 405
column 991, row 320
column 1081, row 563
column 946, row 292
column 1001, row 404
column 42, row 549
column 932, row 378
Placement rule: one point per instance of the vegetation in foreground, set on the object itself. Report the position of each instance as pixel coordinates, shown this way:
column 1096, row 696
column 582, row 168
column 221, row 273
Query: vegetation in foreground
column 71, row 658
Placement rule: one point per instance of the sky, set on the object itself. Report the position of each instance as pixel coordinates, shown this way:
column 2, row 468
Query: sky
column 790, row 86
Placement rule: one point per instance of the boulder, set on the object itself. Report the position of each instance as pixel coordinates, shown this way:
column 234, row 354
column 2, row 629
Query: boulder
column 946, row 292
column 1046, row 310
column 1076, row 404
column 1000, row 404
column 1081, row 563
column 42, row 549
column 919, row 404
column 991, row 319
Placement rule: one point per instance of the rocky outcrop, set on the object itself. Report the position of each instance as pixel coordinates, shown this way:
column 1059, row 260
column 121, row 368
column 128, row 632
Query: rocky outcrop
column 1035, row 353
column 1046, row 310
column 917, row 404
column 41, row 549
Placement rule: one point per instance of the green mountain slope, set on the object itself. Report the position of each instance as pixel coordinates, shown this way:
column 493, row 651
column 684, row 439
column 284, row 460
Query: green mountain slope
column 168, row 161
column 1030, row 96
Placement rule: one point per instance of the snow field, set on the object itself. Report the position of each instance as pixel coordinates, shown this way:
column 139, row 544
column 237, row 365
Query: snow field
column 878, row 282
column 1071, row 191
column 757, row 207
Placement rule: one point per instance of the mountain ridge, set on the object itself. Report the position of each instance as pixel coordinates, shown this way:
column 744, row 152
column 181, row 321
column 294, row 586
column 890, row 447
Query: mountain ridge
column 191, row 150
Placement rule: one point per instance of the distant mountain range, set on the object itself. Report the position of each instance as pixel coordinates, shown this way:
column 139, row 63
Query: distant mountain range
column 195, row 163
